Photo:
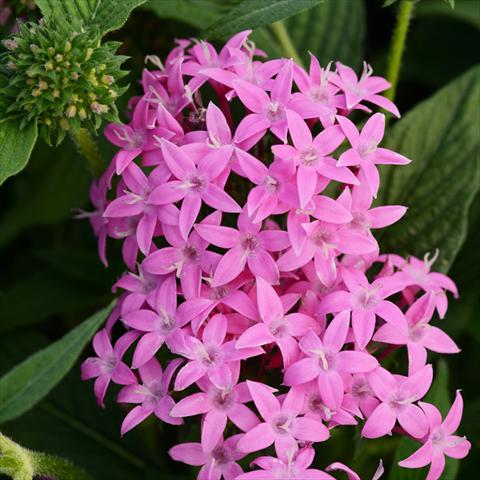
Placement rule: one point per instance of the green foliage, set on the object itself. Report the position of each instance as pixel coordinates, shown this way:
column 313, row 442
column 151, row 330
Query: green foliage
column 22, row 464
column 438, row 396
column 253, row 14
column 16, row 147
column 63, row 81
column 107, row 15
column 334, row 30
column 441, row 136
column 31, row 380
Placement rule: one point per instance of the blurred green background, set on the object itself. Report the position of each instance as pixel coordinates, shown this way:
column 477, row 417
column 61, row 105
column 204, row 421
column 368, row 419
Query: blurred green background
column 51, row 278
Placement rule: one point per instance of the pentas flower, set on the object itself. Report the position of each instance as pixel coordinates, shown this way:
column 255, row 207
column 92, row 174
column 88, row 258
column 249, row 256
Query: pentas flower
column 417, row 334
column 282, row 424
column 326, row 361
column 276, row 326
column 293, row 464
column 108, row 365
column 397, row 395
column 247, row 226
column 440, row 441
column 152, row 395
column 365, row 151
column 217, row 463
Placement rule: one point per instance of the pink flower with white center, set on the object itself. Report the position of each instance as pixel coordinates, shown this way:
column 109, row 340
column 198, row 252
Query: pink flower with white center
column 152, row 395
column 324, row 241
column 316, row 408
column 272, row 188
column 158, row 325
column 397, row 395
column 282, row 424
column 247, row 246
column 194, row 184
column 108, row 365
column 188, row 258
column 358, row 201
column 365, row 88
column 218, row 403
column 217, row 463
column 316, row 87
column 359, row 398
column 417, row 273
column 135, row 201
column 209, row 356
column 276, row 326
column 311, row 156
column 365, row 300
column 365, row 151
column 417, row 334
column 268, row 111
column 293, row 464
column 133, row 139
column 440, row 441
column 326, row 362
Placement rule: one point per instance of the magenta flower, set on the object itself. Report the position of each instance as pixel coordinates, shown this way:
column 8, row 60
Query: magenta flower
column 207, row 356
column 326, row 362
column 108, row 365
column 365, row 151
column 219, row 403
column 293, row 464
column 310, row 155
column 194, row 184
column 276, row 326
column 282, row 424
column 365, row 301
column 397, row 395
column 365, row 88
column 440, row 441
column 152, row 395
column 217, row 463
column 417, row 334
column 247, row 246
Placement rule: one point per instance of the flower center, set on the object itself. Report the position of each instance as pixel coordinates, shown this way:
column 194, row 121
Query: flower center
column 249, row 243
column 308, row 156
column 275, row 112
column 367, row 298
column 271, row 183
column 281, row 424
column 195, row 183
column 190, row 252
column 223, row 399
column 220, row 455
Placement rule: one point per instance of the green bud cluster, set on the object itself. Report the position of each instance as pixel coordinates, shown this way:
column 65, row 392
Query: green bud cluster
column 64, row 81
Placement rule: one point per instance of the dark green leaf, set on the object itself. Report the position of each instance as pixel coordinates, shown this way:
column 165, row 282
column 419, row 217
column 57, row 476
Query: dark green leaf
column 466, row 11
column 441, row 136
column 251, row 14
column 49, row 190
column 334, row 30
column 15, row 147
column 26, row 384
column 108, row 15
column 69, row 423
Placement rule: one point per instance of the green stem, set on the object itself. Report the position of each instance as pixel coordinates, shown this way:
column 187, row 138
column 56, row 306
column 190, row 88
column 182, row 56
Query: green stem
column 88, row 148
column 398, row 45
column 286, row 42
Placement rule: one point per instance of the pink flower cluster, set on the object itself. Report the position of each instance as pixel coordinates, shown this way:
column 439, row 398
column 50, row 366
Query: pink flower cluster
column 247, row 223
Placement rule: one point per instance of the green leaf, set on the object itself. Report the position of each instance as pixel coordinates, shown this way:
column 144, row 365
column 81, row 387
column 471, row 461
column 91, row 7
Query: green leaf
column 23, row 386
column 251, row 14
column 70, row 424
column 465, row 11
column 108, row 15
column 48, row 190
column 16, row 147
column 441, row 136
column 197, row 13
column 439, row 396
column 334, row 30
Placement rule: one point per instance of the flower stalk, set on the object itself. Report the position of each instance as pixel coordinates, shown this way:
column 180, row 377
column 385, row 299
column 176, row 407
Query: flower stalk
column 286, row 42
column 89, row 149
column 397, row 47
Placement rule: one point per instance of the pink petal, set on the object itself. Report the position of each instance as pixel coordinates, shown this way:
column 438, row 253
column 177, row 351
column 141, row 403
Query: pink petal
column 437, row 466
column 373, row 130
column 299, row 131
column 264, row 266
column 336, row 332
column 355, row 362
column 383, row 383
column 147, row 347
column 258, row 438
column 381, row 217
column 269, row 303
column 437, row 340
column 179, row 163
column 420, row 458
column 418, row 384
column 413, row 420
column 188, row 213
column 255, row 336
column 282, row 86
column 169, row 192
column 454, row 416
column 215, row 330
column 309, row 430
column 213, row 426
column 189, row 453
column 189, row 374
column 265, row 401
column 229, row 267
column 242, row 417
column 215, row 197
column 253, row 97
column 224, row 237
column 301, row 372
column 380, row 422
column 134, row 417
column 363, row 323
column 306, row 184
column 331, row 388
column 329, row 210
